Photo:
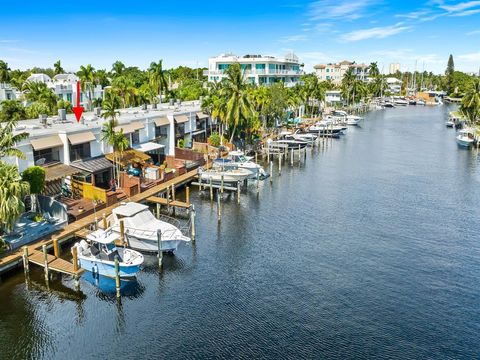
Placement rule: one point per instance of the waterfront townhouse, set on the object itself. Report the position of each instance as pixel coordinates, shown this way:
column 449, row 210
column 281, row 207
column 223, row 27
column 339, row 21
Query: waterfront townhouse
column 334, row 72
column 65, row 147
column 257, row 69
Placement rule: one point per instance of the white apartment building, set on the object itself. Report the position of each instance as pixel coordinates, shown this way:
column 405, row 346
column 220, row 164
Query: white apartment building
column 394, row 67
column 334, row 72
column 7, row 92
column 79, row 144
column 257, row 69
column 394, row 85
column 65, row 87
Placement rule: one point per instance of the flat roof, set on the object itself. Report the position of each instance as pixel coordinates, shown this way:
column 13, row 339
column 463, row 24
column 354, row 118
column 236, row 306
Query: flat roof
column 92, row 122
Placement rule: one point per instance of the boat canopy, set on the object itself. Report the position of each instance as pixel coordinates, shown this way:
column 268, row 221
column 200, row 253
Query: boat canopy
column 103, row 236
column 129, row 209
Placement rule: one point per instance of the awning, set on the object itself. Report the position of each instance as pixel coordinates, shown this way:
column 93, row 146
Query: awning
column 161, row 121
column 181, row 119
column 130, row 156
column 59, row 171
column 198, row 132
column 93, row 165
column 46, row 142
column 201, row 116
column 149, row 146
column 81, row 138
column 130, row 128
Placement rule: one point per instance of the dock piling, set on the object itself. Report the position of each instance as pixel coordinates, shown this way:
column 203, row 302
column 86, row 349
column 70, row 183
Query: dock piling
column 45, row 259
column 117, row 276
column 104, row 221
column 56, row 249
column 159, row 248
column 258, row 182
column 25, row 260
column 219, row 209
column 221, row 183
column 238, row 192
column 271, row 172
column 211, row 189
column 122, row 231
column 280, row 164
column 192, row 222
column 187, row 195
column 291, row 157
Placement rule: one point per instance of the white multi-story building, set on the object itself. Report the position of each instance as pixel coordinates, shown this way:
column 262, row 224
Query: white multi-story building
column 65, row 87
column 7, row 92
column 394, row 67
column 334, row 72
column 68, row 142
column 257, row 69
column 394, row 85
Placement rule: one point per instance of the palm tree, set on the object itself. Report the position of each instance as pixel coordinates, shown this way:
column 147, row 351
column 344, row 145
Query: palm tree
column 39, row 93
column 12, row 192
column 118, row 68
column 108, row 132
column 470, row 105
column 58, row 69
column 101, row 78
column 239, row 108
column 8, row 140
column 4, row 72
column 158, row 77
column 374, row 72
column 260, row 101
column 125, row 88
column 87, row 78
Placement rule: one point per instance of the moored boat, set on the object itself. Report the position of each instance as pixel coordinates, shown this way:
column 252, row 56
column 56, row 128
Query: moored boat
column 99, row 256
column 465, row 138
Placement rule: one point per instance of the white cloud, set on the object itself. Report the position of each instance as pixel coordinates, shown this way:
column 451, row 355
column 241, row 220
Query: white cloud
column 339, row 9
column 460, row 6
column 293, row 38
column 467, row 12
column 474, row 32
column 375, row 33
column 472, row 57
column 414, row 14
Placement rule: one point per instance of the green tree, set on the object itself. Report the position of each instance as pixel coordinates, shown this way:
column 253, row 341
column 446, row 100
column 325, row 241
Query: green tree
column 35, row 177
column 12, row 192
column 374, row 72
column 157, row 77
column 12, row 110
column 39, row 92
column 57, row 68
column 87, row 79
column 190, row 89
column 470, row 105
column 118, row 68
column 8, row 139
column 449, row 74
column 4, row 72
column 239, row 108
column 125, row 88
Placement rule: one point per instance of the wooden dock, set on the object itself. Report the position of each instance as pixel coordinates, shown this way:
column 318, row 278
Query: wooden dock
column 54, row 264
column 164, row 201
column 14, row 258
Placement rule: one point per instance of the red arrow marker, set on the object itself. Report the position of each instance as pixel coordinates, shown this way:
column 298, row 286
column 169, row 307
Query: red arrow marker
column 78, row 110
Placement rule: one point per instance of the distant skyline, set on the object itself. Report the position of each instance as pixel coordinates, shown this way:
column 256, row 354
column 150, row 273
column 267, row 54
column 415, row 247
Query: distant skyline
column 189, row 32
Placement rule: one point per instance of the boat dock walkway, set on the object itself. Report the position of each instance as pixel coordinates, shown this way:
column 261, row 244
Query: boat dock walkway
column 54, row 264
column 14, row 258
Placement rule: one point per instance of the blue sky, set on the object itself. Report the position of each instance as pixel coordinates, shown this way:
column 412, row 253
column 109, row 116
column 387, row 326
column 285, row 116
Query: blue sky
column 189, row 32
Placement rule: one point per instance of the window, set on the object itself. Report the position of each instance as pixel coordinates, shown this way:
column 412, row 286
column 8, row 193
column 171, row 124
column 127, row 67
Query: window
column 136, row 137
column 79, row 151
column 260, row 66
column 161, row 131
column 246, row 66
column 50, row 155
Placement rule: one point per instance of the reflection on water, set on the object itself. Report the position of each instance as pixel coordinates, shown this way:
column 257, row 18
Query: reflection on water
column 367, row 249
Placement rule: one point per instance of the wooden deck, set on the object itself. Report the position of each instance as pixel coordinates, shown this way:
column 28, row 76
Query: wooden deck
column 54, row 264
column 164, row 201
column 14, row 258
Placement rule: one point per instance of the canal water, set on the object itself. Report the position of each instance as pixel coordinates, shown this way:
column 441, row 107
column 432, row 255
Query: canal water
column 368, row 249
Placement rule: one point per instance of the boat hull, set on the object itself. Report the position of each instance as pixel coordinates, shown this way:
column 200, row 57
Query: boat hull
column 107, row 268
column 464, row 143
column 151, row 246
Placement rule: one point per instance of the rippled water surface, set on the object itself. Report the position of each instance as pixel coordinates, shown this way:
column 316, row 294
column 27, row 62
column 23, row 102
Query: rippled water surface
column 369, row 249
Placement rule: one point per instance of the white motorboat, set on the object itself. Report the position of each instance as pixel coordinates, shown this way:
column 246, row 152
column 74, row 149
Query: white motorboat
column 238, row 160
column 449, row 124
column 399, row 101
column 309, row 137
column 354, row 120
column 465, row 138
column 99, row 256
column 421, row 102
column 141, row 228
column 228, row 175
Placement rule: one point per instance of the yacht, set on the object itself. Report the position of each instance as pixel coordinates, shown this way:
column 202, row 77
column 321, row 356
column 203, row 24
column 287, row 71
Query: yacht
column 421, row 102
column 400, row 101
column 99, row 256
column 354, row 120
column 238, row 160
column 465, row 138
column 141, row 228
column 305, row 136
column 232, row 175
